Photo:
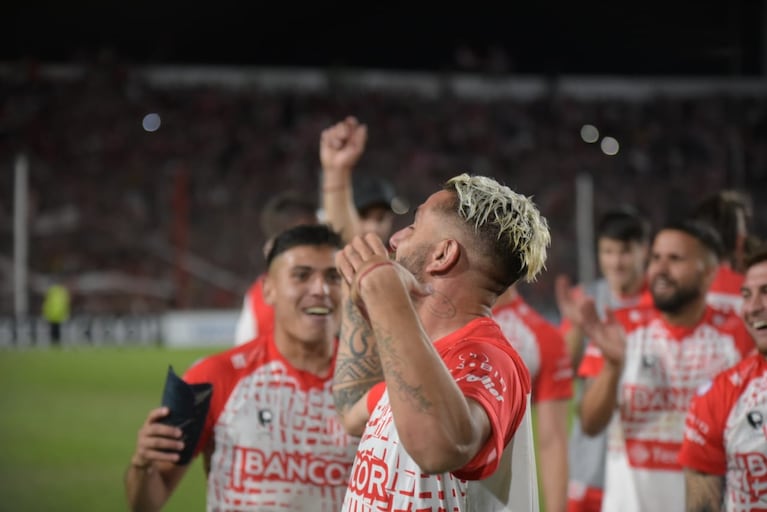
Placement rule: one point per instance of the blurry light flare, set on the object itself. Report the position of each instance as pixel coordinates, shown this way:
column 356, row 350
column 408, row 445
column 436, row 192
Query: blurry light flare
column 151, row 122
column 399, row 206
column 589, row 133
column 610, row 146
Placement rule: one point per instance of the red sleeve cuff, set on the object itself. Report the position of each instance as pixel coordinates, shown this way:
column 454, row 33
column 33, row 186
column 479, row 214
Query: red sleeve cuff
column 702, row 459
column 374, row 395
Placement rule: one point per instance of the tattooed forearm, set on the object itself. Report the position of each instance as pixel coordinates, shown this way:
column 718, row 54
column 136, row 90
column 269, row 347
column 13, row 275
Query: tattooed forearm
column 345, row 396
column 703, row 491
column 411, row 393
column 358, row 366
column 397, row 381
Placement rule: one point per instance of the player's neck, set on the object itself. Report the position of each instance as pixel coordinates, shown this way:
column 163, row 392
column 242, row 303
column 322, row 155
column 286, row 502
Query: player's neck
column 507, row 297
column 314, row 358
column 448, row 309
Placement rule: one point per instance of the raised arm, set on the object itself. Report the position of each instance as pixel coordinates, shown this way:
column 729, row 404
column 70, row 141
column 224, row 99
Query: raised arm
column 341, row 146
column 152, row 475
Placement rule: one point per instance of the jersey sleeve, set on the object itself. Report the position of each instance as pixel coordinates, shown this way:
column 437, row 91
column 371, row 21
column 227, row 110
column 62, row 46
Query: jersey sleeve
column 209, row 370
column 499, row 383
column 592, row 362
column 374, row 395
column 555, row 377
column 703, row 445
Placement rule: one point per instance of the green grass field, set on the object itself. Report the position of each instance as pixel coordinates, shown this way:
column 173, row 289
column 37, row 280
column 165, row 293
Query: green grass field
column 69, row 422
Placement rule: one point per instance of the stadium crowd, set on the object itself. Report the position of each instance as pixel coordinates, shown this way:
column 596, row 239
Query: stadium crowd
column 131, row 201
column 163, row 212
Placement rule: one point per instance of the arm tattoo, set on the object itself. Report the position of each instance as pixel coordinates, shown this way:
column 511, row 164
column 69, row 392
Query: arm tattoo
column 704, row 492
column 358, row 366
column 393, row 362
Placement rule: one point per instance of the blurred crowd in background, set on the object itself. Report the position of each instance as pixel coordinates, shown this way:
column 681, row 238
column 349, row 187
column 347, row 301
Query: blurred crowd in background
column 165, row 209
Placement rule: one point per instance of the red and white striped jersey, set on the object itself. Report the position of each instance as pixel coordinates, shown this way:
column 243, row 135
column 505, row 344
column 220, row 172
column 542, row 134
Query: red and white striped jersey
column 487, row 370
column 542, row 349
column 272, row 435
column 664, row 366
column 726, row 434
column 724, row 292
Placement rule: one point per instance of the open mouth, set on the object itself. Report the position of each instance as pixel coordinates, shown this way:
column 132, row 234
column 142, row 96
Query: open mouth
column 759, row 325
column 318, row 311
column 661, row 284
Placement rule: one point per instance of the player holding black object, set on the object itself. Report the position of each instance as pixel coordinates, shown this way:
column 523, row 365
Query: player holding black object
column 271, row 439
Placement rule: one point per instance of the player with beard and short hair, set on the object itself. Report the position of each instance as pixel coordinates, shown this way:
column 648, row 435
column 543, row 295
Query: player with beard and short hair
column 725, row 445
column 647, row 363
column 455, row 394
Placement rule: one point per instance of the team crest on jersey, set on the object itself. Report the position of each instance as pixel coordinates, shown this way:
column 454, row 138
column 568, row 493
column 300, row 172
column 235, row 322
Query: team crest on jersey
column 755, row 419
column 648, row 360
column 265, row 417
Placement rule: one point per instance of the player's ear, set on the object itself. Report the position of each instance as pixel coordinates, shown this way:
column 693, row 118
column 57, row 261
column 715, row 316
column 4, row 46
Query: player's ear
column 444, row 256
column 269, row 290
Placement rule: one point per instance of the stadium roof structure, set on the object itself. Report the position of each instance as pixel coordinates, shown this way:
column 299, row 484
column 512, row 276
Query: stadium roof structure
column 634, row 38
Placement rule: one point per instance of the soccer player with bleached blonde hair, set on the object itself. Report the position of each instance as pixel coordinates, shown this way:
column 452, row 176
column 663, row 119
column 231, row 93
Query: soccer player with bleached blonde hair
column 424, row 374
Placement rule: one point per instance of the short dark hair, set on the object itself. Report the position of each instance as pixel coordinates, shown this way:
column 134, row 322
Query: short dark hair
column 284, row 210
column 624, row 224
column 720, row 210
column 318, row 235
column 702, row 231
column 756, row 256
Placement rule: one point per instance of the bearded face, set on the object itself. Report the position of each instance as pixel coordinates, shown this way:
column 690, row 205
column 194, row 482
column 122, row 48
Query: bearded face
column 678, row 273
column 414, row 260
column 671, row 296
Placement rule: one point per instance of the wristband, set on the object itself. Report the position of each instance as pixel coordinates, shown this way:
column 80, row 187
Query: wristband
column 369, row 270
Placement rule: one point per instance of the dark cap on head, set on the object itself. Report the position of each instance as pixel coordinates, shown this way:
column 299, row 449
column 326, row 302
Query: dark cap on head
column 370, row 191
